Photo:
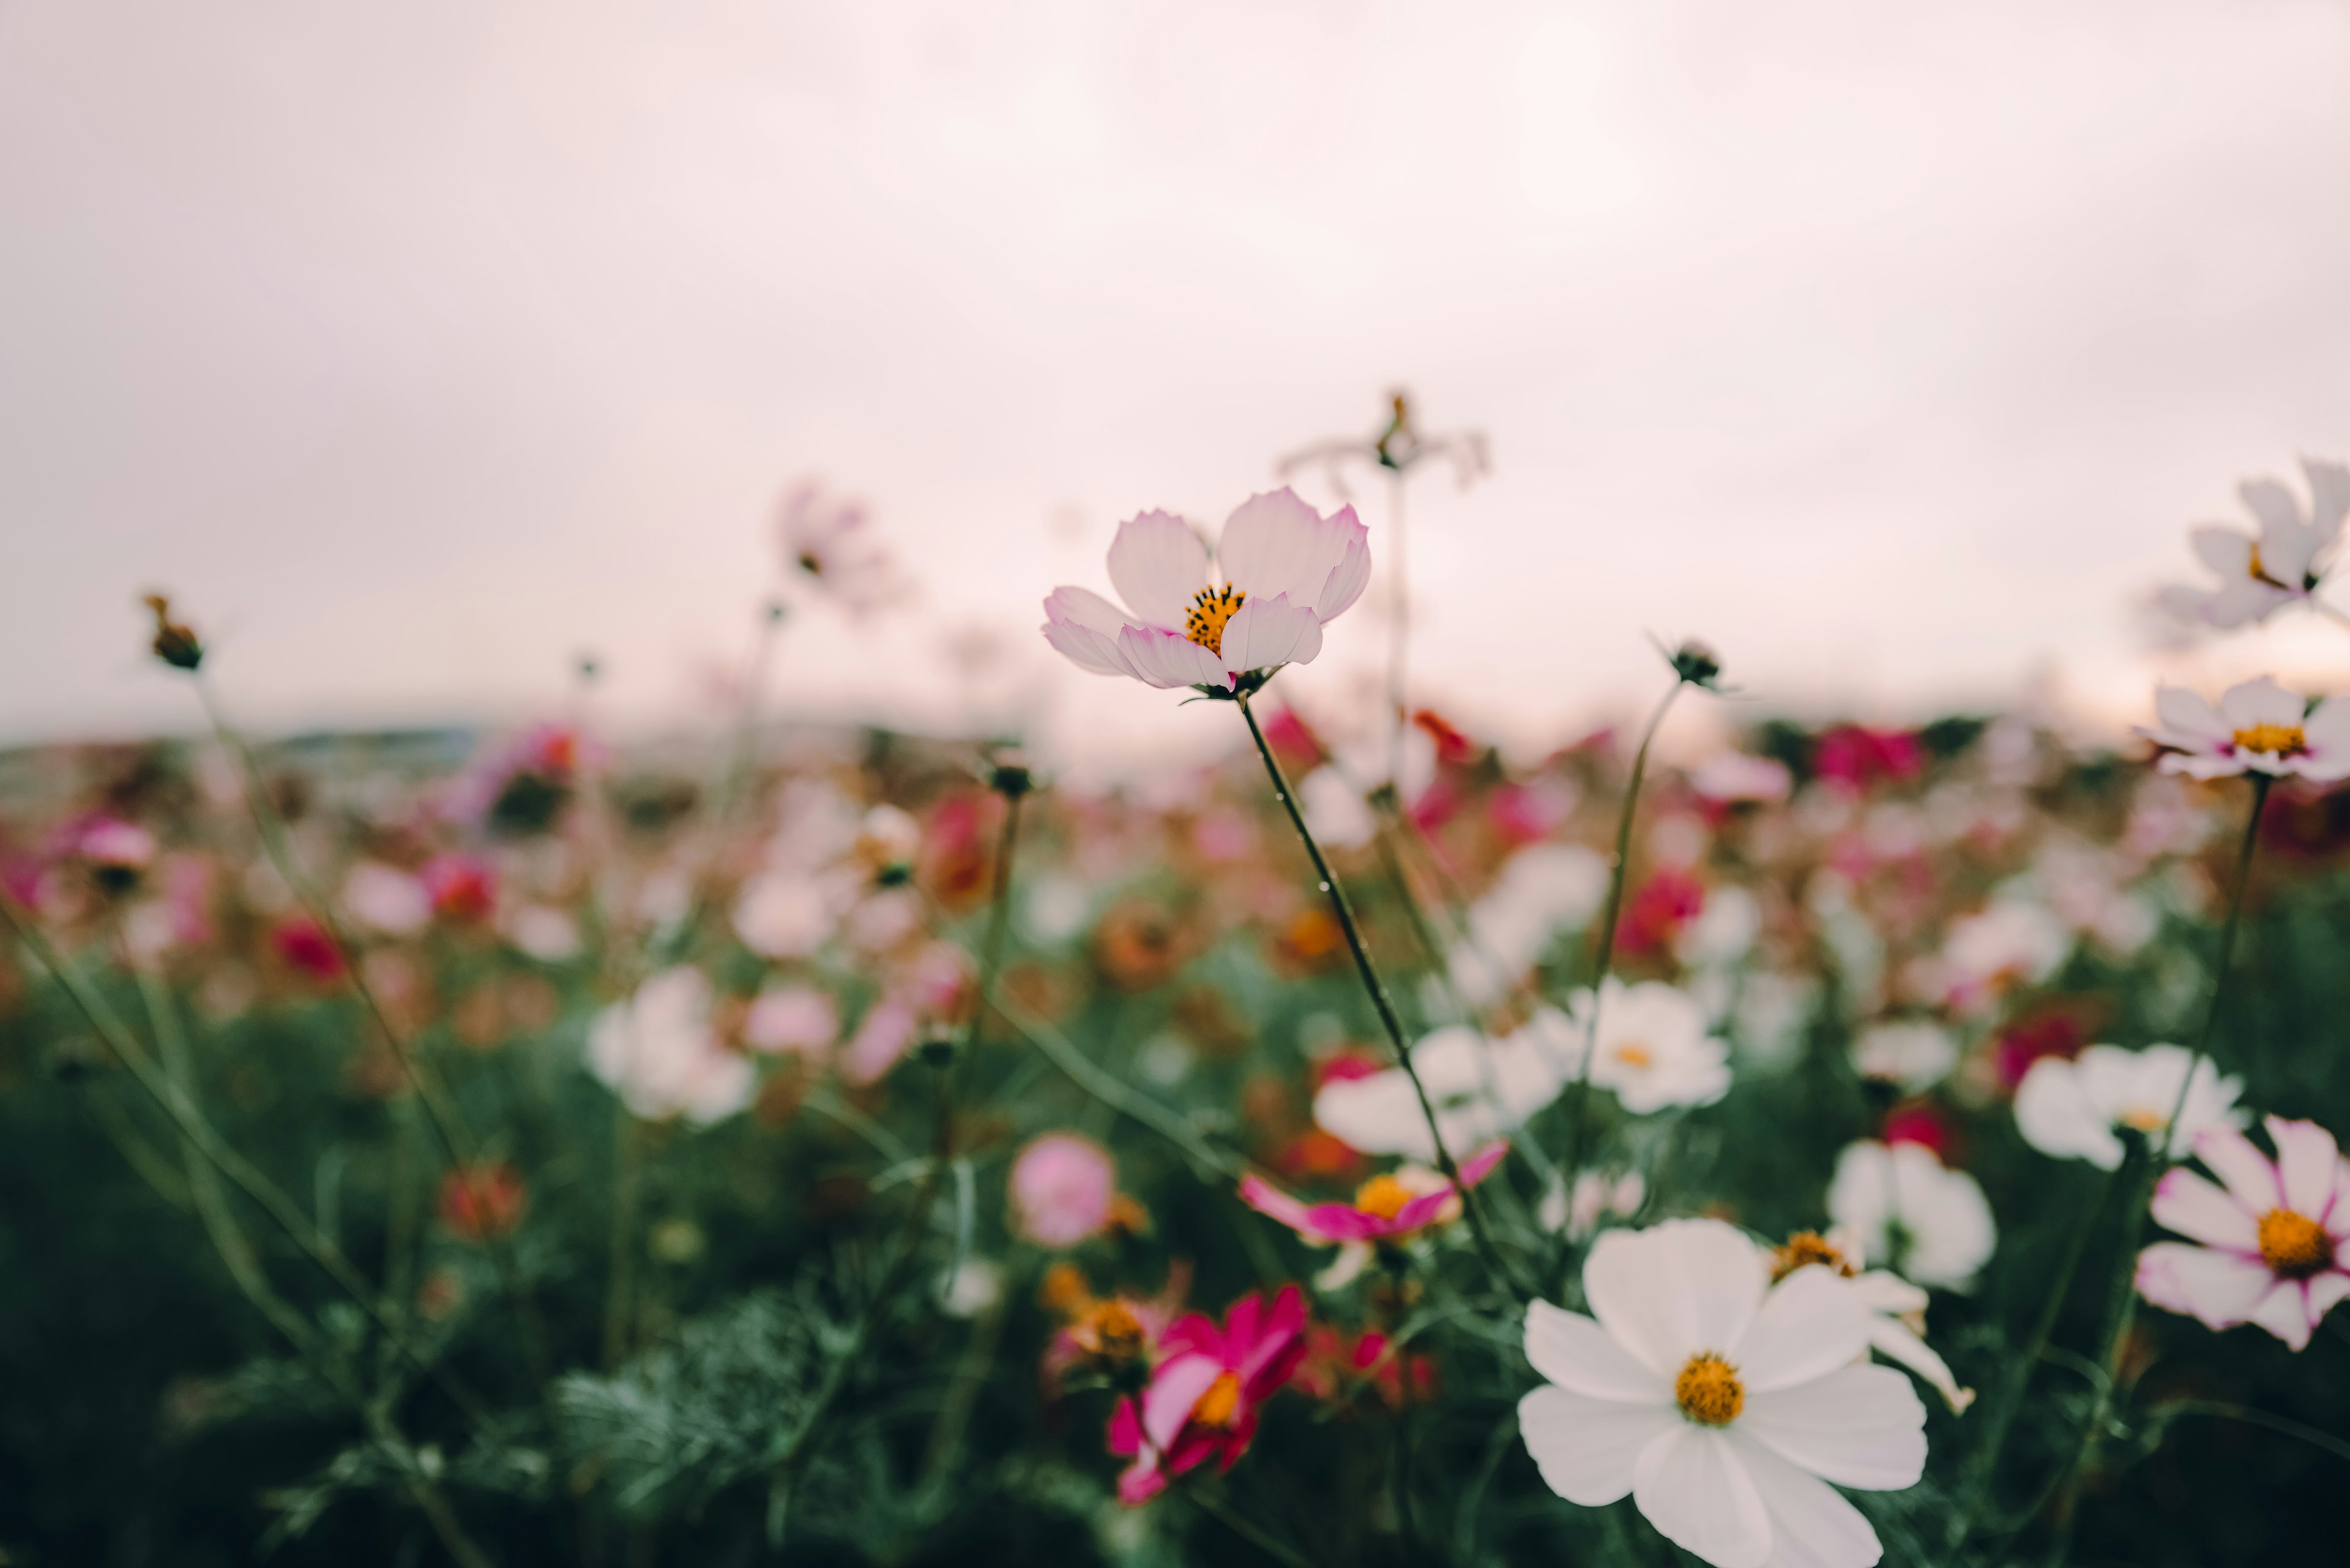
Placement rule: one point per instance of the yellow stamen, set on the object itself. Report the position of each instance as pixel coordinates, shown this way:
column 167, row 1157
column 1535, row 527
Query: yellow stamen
column 1109, row 1332
column 1220, row 1402
column 1634, row 1056
column 2284, row 739
column 2146, row 1118
column 1806, row 1247
column 1383, row 1196
column 2295, row 1245
column 1708, row 1390
column 1210, row 608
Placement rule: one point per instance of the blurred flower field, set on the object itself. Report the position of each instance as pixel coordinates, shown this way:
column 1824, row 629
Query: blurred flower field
column 843, row 1147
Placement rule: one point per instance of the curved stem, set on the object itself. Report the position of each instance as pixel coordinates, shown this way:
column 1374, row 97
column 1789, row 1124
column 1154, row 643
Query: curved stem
column 1580, row 1114
column 1399, row 630
column 2121, row 1296
column 1380, row 1002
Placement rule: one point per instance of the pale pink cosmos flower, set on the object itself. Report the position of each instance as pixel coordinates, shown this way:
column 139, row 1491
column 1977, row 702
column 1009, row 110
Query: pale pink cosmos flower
column 791, row 1019
column 2257, row 727
column 1385, row 1208
column 828, row 538
column 2270, row 1247
column 1282, row 570
column 1062, row 1190
column 2283, row 563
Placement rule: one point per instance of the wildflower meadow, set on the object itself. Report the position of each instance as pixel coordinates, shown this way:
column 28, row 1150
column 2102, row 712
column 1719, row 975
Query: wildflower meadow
column 816, row 1144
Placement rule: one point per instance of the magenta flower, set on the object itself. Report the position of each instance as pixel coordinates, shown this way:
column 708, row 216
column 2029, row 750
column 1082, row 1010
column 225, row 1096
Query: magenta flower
column 1202, row 1399
column 1062, row 1188
column 1282, row 570
column 2273, row 1243
column 1384, row 1208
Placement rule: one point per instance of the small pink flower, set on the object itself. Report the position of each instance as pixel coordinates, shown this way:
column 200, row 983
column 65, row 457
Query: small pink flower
column 882, row 1037
column 1062, row 1190
column 1384, row 1208
column 2274, row 1241
column 791, row 1019
column 1282, row 571
column 1202, row 1399
column 1852, row 756
column 461, row 888
column 304, row 943
column 110, row 843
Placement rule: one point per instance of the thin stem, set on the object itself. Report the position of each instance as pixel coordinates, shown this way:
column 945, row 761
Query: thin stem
column 1580, row 1116
column 1399, row 629
column 1240, row 1525
column 1380, row 1002
column 627, row 1181
column 2121, row 1297
column 207, row 1141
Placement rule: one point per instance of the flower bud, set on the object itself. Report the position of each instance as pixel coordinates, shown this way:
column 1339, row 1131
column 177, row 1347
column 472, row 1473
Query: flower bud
column 1697, row 663
column 174, row 644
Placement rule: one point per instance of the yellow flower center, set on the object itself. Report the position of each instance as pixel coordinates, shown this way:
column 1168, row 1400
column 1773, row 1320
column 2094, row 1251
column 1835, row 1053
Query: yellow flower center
column 2145, row 1118
column 2295, row 1245
column 1806, row 1247
column 1634, row 1054
column 2259, row 572
column 1110, row 1331
column 1220, row 1402
column 1383, row 1196
column 1210, row 608
column 1708, row 1390
column 2284, row 739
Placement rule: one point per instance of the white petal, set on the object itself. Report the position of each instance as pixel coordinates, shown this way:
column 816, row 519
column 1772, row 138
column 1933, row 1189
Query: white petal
column 2190, row 713
column 2054, row 1113
column 2219, row 1290
column 2285, row 1312
column 2272, row 502
column 2227, row 551
column 2202, row 1211
column 1674, row 1289
column 1574, row 1352
column 1894, row 1341
column 1165, row 659
column 2260, row 702
column 1276, row 544
column 1589, row 1450
column 1812, row 1526
column 1694, row 1485
column 1346, row 580
column 1264, row 634
column 2329, row 498
column 1810, row 1324
column 1084, row 625
column 1158, row 564
column 2306, row 1157
column 1377, row 1114
column 1859, row 1427
column 2231, row 1157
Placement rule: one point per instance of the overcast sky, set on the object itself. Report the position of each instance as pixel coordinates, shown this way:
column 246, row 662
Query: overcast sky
column 417, row 346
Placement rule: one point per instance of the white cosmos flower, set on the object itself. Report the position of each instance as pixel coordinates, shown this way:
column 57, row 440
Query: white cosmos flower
column 2010, row 941
column 1336, row 810
column 2074, row 1109
column 1915, row 1054
column 1910, row 1211
column 2258, row 727
column 2282, row 563
column 788, row 914
column 1544, row 889
column 659, row 1052
column 1722, row 1404
column 1895, row 1308
column 1481, row 1089
column 1653, row 1050
column 1281, row 570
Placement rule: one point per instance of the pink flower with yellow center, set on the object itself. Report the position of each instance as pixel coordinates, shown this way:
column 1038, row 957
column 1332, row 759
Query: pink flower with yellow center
column 1384, row 1208
column 2269, row 1246
column 2256, row 727
column 1281, row 571
column 1202, row 1399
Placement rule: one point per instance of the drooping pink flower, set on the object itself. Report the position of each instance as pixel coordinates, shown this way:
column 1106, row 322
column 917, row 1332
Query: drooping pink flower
column 2270, row 1247
column 1282, row 570
column 1062, row 1187
column 1383, row 1208
column 1204, row 1394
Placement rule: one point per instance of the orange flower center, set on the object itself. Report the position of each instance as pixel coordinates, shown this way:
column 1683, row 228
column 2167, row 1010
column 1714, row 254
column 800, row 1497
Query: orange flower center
column 1220, row 1402
column 2284, row 740
column 2295, row 1245
column 1807, row 1247
column 1383, row 1196
column 1634, row 1054
column 1708, row 1390
column 2146, row 1118
column 1210, row 608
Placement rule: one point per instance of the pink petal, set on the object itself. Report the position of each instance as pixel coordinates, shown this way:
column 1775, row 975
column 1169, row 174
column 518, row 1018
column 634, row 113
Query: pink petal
column 1084, row 625
column 1164, row 661
column 1481, row 1165
column 1193, row 1334
column 1280, row 1329
column 2227, row 551
column 1125, row 1429
column 1276, row 544
column 1157, row 564
column 2235, row 1161
column 1348, row 578
column 2306, row 1161
column 1266, row 633
column 1344, row 1223
column 1174, row 1389
column 2200, row 1212
column 2188, row 714
column 1269, row 1199
column 1140, row 1481
column 2219, row 1290
column 2285, row 1312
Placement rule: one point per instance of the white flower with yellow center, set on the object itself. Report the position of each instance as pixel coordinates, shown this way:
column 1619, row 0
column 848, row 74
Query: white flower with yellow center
column 1652, row 1049
column 1902, row 1207
column 1895, row 1308
column 1722, row 1404
column 2076, row 1109
column 1281, row 570
column 2283, row 563
column 2257, row 727
column 1481, row 1089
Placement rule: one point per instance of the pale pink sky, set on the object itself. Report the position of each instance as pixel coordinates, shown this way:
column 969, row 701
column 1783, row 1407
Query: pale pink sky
column 417, row 346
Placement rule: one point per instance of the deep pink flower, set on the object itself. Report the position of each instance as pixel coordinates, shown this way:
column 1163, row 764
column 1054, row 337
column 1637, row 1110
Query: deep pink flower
column 2274, row 1242
column 460, row 887
column 1917, row 1124
column 1062, row 1187
column 1655, row 914
column 304, row 943
column 1854, row 756
column 1383, row 1206
column 1203, row 1395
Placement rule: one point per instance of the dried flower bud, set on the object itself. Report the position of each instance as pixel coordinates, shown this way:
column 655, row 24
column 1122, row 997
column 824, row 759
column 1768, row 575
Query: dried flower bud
column 174, row 644
column 1696, row 663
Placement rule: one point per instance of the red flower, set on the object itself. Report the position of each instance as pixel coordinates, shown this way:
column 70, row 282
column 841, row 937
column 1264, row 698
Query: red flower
column 1917, row 1124
column 1383, row 1208
column 1202, row 1399
column 483, row 1202
column 460, row 885
column 1665, row 903
column 2053, row 1035
column 1334, row 1365
column 304, row 943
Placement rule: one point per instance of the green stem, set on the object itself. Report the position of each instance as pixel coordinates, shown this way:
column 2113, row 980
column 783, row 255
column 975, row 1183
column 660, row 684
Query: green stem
column 1380, row 1002
column 2121, row 1296
column 1240, row 1525
column 627, row 1181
